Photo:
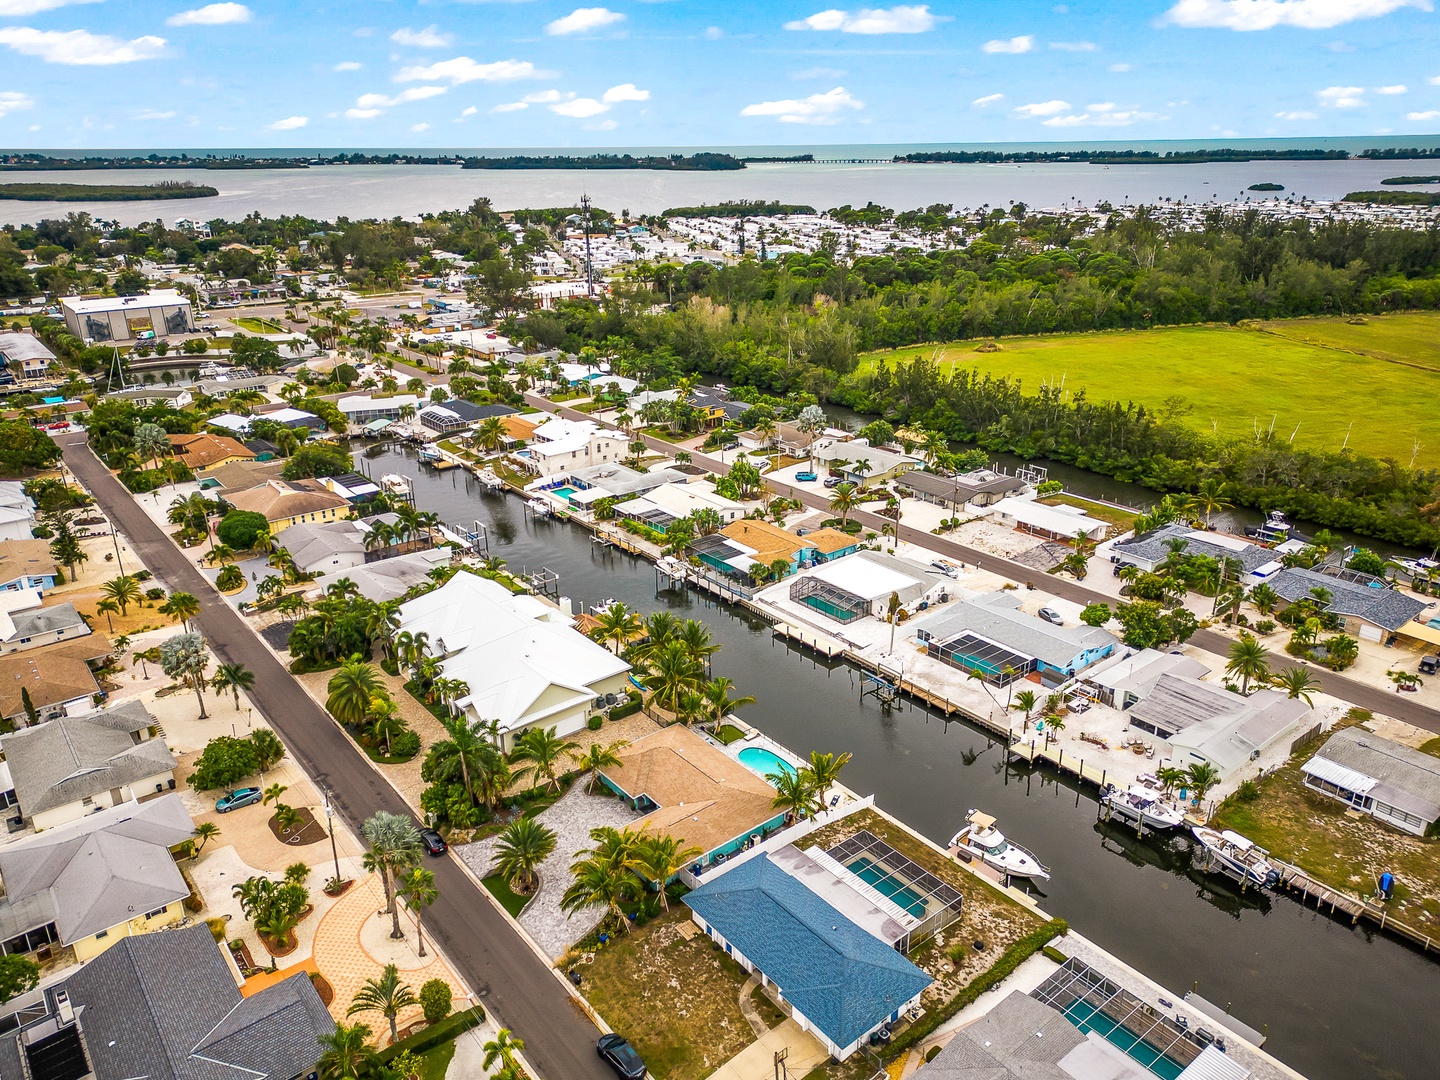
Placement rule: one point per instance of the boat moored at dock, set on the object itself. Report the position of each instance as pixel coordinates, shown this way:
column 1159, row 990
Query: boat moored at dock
column 1141, row 807
column 1237, row 857
column 980, row 839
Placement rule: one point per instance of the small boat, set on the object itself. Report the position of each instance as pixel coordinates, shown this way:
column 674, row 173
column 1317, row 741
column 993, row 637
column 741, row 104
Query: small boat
column 429, row 454
column 982, row 840
column 395, row 484
column 670, row 566
column 1276, row 530
column 1141, row 806
column 489, row 480
column 603, row 606
column 540, row 508
column 1239, row 857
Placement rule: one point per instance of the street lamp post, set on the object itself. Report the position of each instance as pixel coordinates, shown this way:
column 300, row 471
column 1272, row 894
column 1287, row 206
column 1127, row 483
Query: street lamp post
column 330, row 824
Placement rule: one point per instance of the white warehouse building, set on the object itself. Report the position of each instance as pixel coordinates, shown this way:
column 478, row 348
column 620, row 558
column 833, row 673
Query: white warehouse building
column 128, row 318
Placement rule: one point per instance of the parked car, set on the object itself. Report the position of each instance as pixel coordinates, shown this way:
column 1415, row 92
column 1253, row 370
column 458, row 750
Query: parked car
column 834, row 481
column 1429, row 665
column 245, row 796
column 434, row 842
column 1050, row 615
column 805, row 477
column 620, row 1056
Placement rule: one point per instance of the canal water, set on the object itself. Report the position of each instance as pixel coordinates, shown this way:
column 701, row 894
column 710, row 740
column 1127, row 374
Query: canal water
column 1339, row 1002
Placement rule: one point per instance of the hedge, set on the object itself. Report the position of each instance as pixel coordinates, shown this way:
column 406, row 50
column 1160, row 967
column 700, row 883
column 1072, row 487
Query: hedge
column 1001, row 970
column 630, row 708
column 453, row 1026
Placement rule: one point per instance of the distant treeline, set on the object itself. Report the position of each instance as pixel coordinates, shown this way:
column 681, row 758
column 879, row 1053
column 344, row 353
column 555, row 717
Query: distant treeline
column 43, row 162
column 1117, row 157
column 1412, row 180
column 673, row 162
column 740, row 208
column 1266, row 187
column 169, row 189
column 1409, row 153
column 1395, row 198
column 792, row 159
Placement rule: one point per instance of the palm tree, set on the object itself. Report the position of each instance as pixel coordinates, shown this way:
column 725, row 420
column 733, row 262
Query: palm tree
column 234, row 678
column 490, row 434
column 844, row 502
column 220, row 553
column 676, row 672
column 618, row 626
column 351, row 689
column 205, row 832
column 387, row 995
column 794, row 794
column 1025, row 702
column 503, row 1049
column 108, row 608
column 823, row 771
column 520, row 850
column 596, row 758
column 659, row 858
column 464, row 754
column 1297, row 682
column 181, row 605
column 394, row 848
column 718, row 702
column 1210, row 499
column 892, row 612
column 1248, row 660
column 417, row 889
column 696, row 639
column 544, row 750
column 602, row 875
column 1201, row 777
column 348, row 1054
column 122, row 591
column 386, row 721
column 1170, row 777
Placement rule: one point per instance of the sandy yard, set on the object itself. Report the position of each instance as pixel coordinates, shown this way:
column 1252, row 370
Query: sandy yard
column 995, row 539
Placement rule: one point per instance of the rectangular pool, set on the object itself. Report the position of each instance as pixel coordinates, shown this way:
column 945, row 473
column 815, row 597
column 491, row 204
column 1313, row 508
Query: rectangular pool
column 879, row 878
column 1088, row 1018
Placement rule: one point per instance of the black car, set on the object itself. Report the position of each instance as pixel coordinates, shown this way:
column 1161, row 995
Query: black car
column 434, row 842
column 621, row 1057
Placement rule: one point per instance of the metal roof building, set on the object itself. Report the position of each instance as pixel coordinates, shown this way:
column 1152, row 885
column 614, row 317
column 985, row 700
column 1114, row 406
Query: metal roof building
column 1389, row 781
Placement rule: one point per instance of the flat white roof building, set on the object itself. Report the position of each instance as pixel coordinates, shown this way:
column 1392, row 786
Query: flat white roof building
column 1062, row 521
column 128, row 318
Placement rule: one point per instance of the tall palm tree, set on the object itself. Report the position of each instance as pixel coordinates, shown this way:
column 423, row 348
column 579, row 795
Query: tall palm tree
column 675, row 672
column 718, row 702
column 181, row 605
column 1297, row 682
column 794, row 794
column 348, row 1054
column 467, row 755
column 596, row 758
column 617, row 625
column 1201, row 777
column 386, row 721
column 232, row 678
column 822, row 772
column 351, row 689
column 123, row 591
column 844, row 502
column 602, row 875
column 1210, row 499
column 520, row 850
column 658, row 858
column 205, row 832
column 490, row 433
column 503, row 1048
column 394, row 849
column 1248, row 660
column 388, row 995
column 543, row 749
column 417, row 889
column 696, row 639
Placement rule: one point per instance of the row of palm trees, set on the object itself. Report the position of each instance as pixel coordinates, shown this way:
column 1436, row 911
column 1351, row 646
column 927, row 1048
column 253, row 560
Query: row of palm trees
column 1249, row 661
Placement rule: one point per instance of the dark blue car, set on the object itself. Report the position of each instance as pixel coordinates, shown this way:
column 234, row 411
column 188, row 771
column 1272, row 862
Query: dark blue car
column 621, row 1057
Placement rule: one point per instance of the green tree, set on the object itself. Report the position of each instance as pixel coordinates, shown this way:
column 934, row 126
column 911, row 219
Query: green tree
column 350, row 690
column 519, row 851
column 223, row 763
column 658, row 858
column 348, row 1054
column 544, row 750
column 239, row 528
column 18, row 975
column 844, row 502
column 32, row 714
column 618, row 626
column 794, row 794
column 234, row 679
column 1249, row 660
column 394, row 849
column 503, row 1048
column 1297, row 682
column 601, row 875
column 596, row 758
column 719, row 703
column 388, row 995
column 185, row 656
column 675, row 672
column 205, row 832
column 436, row 998
column 267, row 748
column 1202, row 777
column 1095, row 614
column 417, row 889
column 123, row 590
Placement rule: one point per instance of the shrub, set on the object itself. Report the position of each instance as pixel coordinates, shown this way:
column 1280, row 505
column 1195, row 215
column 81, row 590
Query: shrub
column 435, row 1000
column 595, row 723
column 238, row 529
column 317, row 460
column 1265, row 626
column 405, row 745
column 449, row 1028
column 224, row 762
column 628, row 708
column 1247, row 791
column 232, row 577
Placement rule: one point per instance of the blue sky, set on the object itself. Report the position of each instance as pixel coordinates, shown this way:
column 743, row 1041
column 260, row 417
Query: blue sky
column 386, row 73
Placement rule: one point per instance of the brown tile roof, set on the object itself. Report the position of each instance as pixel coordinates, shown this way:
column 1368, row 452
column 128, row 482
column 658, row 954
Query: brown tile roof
column 25, row 557
column 770, row 541
column 706, row 797
column 53, row 674
column 281, row 499
column 203, row 450
column 517, row 427
column 828, row 541
column 239, row 475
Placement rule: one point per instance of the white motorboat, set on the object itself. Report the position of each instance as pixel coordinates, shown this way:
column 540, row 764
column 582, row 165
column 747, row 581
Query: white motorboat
column 540, row 508
column 980, row 839
column 1238, row 856
column 489, row 480
column 671, row 566
column 1142, row 806
column 395, row 484
column 603, row 606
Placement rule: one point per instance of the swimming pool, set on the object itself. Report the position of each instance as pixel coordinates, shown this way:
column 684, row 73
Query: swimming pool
column 563, row 492
column 877, row 876
column 1088, row 1018
column 759, row 760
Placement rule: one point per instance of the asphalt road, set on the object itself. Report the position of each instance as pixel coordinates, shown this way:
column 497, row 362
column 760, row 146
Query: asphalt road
column 490, row 955
column 1385, row 700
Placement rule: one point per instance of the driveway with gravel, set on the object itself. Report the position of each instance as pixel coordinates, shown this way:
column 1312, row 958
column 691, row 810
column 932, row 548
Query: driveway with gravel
column 571, row 817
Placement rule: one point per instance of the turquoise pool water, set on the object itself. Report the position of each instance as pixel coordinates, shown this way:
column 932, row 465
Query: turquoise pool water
column 564, row 492
column 762, row 761
column 866, row 870
column 1088, row 1018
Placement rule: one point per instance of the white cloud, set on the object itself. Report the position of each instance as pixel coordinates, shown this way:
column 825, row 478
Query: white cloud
column 428, row 38
column 1043, row 108
column 290, row 123
column 1434, row 80
column 901, row 19
column 815, row 109
column 580, row 108
column 471, row 111
column 1296, row 116
column 348, row 65
column 545, row 97
column 603, row 125
column 155, row 114
column 988, row 99
column 1118, row 68
column 583, row 21
column 464, row 70
column 11, row 8
column 415, row 93
column 362, row 114
column 509, row 106
column 624, row 92
column 1391, row 91
column 1103, row 114
column 1428, row 114
column 14, row 101
column 1022, row 44
column 713, row 33
column 1075, row 46
column 211, row 15
column 417, row 128
column 1342, row 97
column 1266, row 14
column 80, row 48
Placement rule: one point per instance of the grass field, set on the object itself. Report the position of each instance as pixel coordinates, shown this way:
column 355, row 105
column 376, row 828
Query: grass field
column 258, row 325
column 1322, row 374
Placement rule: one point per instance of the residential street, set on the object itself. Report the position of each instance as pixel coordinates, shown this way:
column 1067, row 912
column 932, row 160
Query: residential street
column 492, row 957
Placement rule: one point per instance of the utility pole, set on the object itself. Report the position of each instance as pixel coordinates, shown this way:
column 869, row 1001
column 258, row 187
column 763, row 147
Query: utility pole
column 740, row 236
column 589, row 271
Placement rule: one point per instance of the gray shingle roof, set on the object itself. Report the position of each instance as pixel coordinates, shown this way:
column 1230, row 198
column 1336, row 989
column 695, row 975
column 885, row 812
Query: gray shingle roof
column 76, row 757
column 1019, row 1039
column 998, row 618
column 165, row 1007
column 1404, row 777
column 1154, row 546
column 46, row 620
column 1386, row 608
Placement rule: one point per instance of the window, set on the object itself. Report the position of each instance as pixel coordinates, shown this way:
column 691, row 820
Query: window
column 102, row 934
column 157, row 912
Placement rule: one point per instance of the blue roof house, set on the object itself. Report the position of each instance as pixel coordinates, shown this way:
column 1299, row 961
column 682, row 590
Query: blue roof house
column 840, row 982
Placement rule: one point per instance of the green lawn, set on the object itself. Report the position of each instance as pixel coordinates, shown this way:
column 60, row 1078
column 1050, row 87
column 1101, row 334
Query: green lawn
column 1309, row 372
column 1121, row 519
column 500, row 889
column 436, row 1062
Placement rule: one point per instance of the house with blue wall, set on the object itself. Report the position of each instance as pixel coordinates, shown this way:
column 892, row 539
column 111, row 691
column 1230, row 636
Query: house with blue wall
column 27, row 564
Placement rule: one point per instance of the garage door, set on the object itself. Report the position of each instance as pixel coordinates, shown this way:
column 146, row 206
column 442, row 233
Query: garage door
column 1369, row 633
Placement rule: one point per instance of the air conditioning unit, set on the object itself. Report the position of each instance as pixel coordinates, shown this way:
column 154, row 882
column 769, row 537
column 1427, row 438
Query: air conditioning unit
column 64, row 1011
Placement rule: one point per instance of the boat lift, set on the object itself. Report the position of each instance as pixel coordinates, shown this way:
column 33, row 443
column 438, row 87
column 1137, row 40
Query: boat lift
column 885, row 689
column 474, row 537
column 544, row 582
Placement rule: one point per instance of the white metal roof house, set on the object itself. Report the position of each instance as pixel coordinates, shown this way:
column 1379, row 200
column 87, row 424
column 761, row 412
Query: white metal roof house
column 1061, row 522
column 1230, row 739
column 1391, row 782
column 525, row 664
column 126, row 318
